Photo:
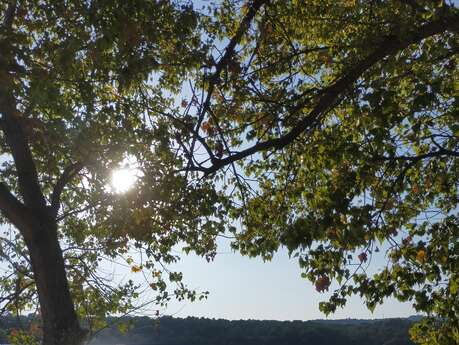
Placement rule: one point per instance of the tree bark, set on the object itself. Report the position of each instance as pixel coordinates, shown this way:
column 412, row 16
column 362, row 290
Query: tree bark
column 39, row 229
column 60, row 322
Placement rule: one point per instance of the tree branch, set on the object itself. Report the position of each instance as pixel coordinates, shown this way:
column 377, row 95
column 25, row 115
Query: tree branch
column 16, row 139
column 439, row 153
column 331, row 96
column 254, row 7
column 13, row 209
column 14, row 134
column 67, row 175
column 9, row 15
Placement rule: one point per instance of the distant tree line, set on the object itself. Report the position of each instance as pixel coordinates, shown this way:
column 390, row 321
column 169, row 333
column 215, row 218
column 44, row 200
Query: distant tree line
column 202, row 331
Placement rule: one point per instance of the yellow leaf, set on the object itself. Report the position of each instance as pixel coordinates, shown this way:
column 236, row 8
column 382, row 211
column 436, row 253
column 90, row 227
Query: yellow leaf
column 136, row 268
column 421, row 256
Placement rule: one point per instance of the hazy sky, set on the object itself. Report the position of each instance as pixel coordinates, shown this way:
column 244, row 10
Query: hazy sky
column 248, row 288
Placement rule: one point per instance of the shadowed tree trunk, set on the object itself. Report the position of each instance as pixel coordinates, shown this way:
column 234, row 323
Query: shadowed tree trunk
column 37, row 224
column 60, row 323
column 39, row 229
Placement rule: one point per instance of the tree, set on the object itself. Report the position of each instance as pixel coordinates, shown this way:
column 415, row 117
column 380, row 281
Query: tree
column 75, row 77
column 328, row 127
column 333, row 128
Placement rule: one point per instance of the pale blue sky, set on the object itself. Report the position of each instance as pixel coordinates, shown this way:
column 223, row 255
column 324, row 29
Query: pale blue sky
column 247, row 288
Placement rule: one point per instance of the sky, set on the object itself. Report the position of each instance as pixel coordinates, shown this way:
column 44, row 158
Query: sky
column 248, row 288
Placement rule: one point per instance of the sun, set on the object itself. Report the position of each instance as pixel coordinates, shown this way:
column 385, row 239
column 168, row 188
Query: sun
column 123, row 179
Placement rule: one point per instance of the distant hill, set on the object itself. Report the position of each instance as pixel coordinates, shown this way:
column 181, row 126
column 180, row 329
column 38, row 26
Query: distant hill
column 201, row 331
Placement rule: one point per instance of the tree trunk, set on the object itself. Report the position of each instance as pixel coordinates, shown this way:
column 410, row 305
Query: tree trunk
column 37, row 224
column 60, row 322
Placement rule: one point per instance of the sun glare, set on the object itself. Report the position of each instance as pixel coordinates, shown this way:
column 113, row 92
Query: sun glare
column 123, row 179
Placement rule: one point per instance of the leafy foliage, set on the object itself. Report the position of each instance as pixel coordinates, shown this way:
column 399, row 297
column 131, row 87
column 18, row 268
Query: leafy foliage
column 327, row 127
column 81, row 77
column 338, row 122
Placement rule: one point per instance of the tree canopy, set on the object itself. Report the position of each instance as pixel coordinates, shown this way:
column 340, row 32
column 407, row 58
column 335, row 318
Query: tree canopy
column 78, row 79
column 326, row 127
